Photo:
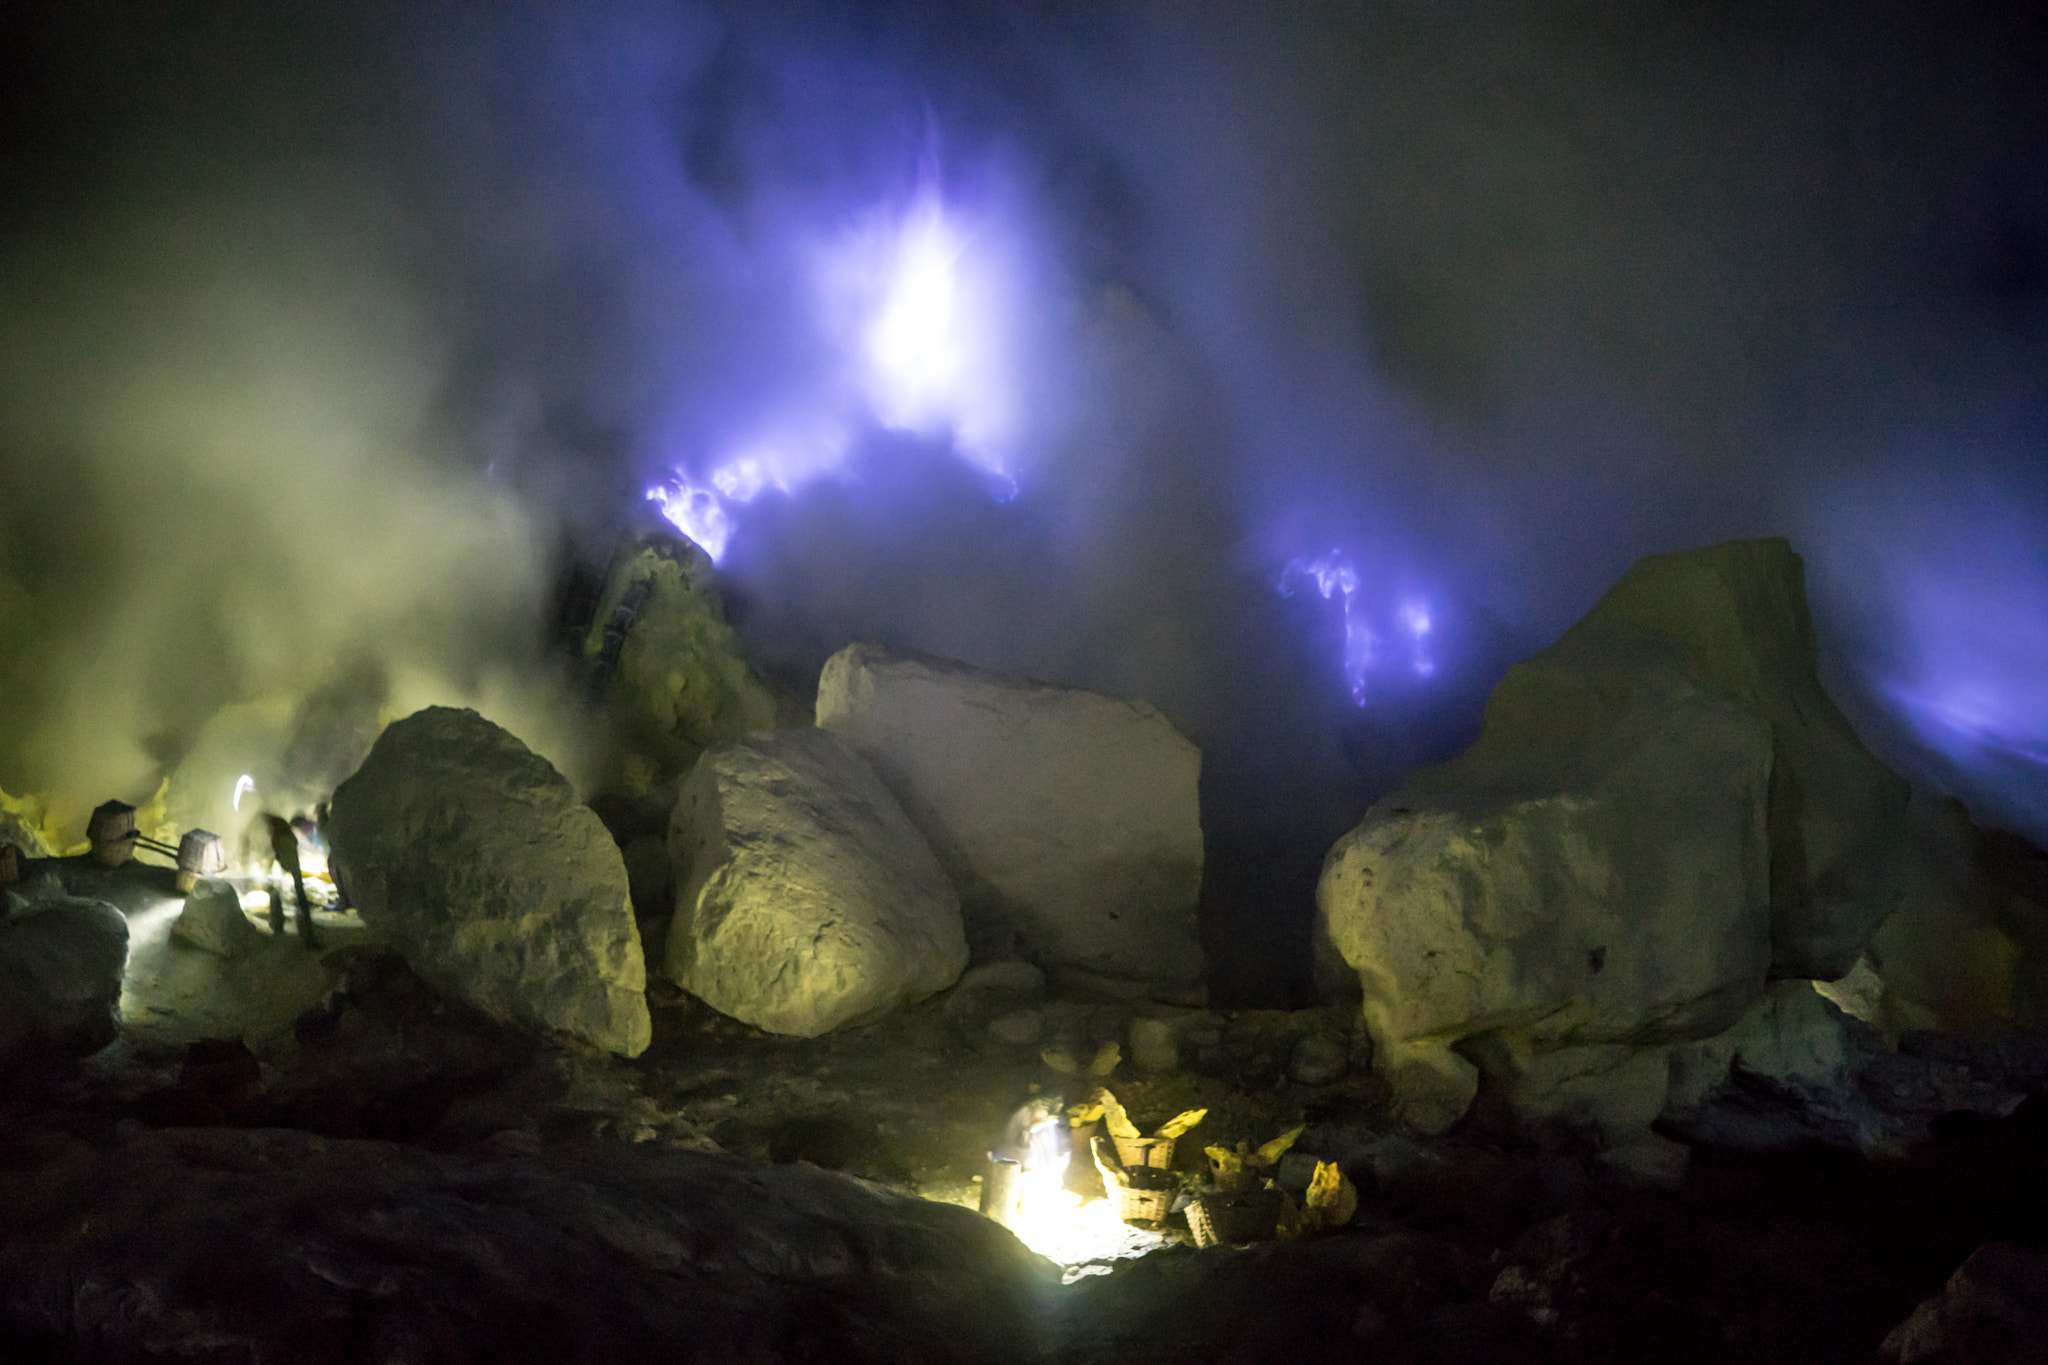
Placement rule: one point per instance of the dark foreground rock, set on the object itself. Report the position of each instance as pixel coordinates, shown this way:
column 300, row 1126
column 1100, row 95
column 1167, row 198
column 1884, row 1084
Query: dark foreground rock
column 274, row 1245
column 60, row 979
column 1992, row 1311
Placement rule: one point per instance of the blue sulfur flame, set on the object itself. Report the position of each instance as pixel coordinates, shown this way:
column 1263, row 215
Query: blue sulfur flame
column 916, row 317
column 1404, row 646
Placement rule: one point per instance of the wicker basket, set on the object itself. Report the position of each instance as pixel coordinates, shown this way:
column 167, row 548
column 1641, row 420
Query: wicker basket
column 1143, row 1194
column 1243, row 1216
column 1146, row 1151
column 1147, row 1197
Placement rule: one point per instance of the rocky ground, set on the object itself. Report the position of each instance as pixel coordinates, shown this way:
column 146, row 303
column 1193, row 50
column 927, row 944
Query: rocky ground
column 396, row 1178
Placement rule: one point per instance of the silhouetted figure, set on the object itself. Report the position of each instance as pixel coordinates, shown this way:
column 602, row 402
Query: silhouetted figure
column 1035, row 1137
column 284, row 844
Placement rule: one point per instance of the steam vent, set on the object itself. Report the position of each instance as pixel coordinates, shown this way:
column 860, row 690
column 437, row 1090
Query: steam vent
column 1023, row 684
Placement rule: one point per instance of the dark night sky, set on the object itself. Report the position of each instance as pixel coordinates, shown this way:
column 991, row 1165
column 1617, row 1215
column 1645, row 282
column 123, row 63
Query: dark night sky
column 320, row 323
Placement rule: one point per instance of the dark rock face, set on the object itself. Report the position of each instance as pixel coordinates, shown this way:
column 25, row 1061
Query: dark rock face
column 1992, row 1311
column 471, row 856
column 60, row 979
column 267, row 1244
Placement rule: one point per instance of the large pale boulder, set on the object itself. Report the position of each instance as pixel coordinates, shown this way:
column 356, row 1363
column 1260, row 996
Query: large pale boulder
column 471, row 856
column 60, row 979
column 1624, row 900
column 1067, row 818
column 1660, row 809
column 1734, row 618
column 808, row 900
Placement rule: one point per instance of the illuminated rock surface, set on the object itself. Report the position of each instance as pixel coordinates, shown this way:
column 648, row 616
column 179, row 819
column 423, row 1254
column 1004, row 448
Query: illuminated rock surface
column 1661, row 808
column 471, row 856
column 60, row 979
column 17, row 832
column 1631, row 904
column 213, row 922
column 671, row 668
column 1067, row 818
column 808, row 900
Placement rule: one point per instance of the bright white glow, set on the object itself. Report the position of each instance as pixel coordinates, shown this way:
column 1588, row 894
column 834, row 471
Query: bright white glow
column 914, row 343
column 1082, row 1237
column 743, row 479
column 1415, row 616
column 243, row 785
column 922, row 301
column 916, row 307
column 696, row 512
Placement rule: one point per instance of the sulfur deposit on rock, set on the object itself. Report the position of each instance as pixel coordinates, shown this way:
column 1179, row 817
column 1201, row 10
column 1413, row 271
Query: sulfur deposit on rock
column 20, row 832
column 1662, row 809
column 60, row 979
column 808, row 900
column 471, row 856
column 669, row 664
column 1068, row 819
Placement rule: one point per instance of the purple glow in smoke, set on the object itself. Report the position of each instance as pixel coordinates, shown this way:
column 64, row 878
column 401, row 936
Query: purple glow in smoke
column 1335, row 577
column 695, row 511
column 917, row 317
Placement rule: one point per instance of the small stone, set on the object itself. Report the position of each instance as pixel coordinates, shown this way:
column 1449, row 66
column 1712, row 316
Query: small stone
column 1649, row 1160
column 1859, row 995
column 1154, row 1045
column 1011, row 976
column 1432, row 1085
column 213, row 922
column 1318, row 1059
column 1020, row 1028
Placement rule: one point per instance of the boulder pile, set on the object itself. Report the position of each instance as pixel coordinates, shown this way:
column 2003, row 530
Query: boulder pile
column 1662, row 811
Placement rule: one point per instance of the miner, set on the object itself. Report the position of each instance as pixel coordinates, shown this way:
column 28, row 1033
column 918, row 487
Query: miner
column 284, row 844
